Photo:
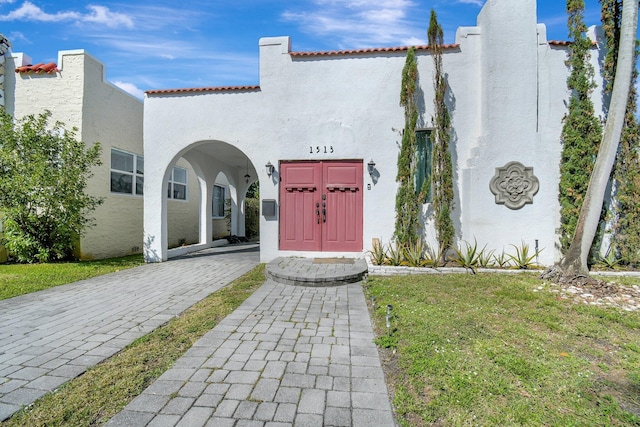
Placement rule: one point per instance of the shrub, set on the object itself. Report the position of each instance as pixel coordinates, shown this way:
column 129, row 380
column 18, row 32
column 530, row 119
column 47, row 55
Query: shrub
column 44, row 175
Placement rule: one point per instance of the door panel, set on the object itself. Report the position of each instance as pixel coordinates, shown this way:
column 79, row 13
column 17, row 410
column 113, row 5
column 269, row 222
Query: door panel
column 299, row 191
column 342, row 184
column 321, row 206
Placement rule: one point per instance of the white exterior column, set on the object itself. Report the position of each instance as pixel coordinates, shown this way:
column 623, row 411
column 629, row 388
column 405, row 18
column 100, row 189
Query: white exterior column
column 155, row 217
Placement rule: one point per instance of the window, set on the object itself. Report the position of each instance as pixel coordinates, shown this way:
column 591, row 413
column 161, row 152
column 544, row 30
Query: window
column 424, row 153
column 127, row 172
column 177, row 188
column 218, row 201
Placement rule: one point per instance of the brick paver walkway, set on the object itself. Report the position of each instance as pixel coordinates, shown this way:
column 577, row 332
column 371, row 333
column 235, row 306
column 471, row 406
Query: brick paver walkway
column 290, row 355
column 49, row 337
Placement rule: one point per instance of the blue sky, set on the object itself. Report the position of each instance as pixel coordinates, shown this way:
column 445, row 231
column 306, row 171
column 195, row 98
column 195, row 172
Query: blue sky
column 162, row 44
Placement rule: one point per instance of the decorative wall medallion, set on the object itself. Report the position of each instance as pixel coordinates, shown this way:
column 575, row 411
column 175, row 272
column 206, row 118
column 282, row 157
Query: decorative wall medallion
column 514, row 185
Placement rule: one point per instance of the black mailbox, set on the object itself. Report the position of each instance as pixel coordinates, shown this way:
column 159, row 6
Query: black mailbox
column 269, row 208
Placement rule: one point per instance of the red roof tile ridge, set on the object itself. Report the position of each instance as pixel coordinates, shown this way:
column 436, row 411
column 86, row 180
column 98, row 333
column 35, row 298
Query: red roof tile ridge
column 49, row 68
column 206, row 89
column 565, row 43
column 370, row 50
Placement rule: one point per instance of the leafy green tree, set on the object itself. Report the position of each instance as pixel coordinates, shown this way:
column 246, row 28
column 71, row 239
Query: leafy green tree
column 575, row 260
column 442, row 185
column 407, row 199
column 581, row 132
column 44, row 172
column 626, row 173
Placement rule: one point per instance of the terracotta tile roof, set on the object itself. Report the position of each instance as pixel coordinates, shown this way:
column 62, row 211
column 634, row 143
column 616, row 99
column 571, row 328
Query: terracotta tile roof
column 207, row 89
column 320, row 53
column 369, row 50
column 564, row 43
column 49, row 68
column 559, row 42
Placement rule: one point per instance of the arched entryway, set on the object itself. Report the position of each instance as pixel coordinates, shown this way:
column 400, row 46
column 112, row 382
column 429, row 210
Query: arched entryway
column 206, row 182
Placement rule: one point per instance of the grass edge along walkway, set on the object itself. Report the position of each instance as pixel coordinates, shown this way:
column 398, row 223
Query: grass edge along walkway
column 21, row 279
column 104, row 390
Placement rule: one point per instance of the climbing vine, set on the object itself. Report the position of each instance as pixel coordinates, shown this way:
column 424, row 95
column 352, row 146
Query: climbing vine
column 627, row 167
column 442, row 183
column 407, row 201
column 582, row 131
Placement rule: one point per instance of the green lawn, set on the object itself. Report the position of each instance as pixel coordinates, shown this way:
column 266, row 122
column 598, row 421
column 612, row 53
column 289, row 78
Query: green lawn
column 486, row 349
column 19, row 279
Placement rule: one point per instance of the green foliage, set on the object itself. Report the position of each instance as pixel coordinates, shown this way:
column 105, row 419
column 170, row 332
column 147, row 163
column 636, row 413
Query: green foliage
column 407, row 201
column 387, row 341
column 44, row 175
column 252, row 217
column 253, row 192
column 501, row 260
column 522, row 258
column 433, row 257
column 377, row 254
column 395, row 254
column 414, row 253
column 581, row 132
column 442, row 185
column 627, row 166
column 609, row 261
column 486, row 258
column 469, row 255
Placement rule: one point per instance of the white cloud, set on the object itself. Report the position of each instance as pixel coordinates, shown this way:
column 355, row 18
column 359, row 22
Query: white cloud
column 98, row 14
column 18, row 36
column 30, row 12
column 414, row 41
column 102, row 15
column 130, row 88
column 359, row 23
column 476, row 2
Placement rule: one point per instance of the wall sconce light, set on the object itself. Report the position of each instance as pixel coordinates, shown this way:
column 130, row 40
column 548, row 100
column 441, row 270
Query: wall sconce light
column 270, row 168
column 371, row 166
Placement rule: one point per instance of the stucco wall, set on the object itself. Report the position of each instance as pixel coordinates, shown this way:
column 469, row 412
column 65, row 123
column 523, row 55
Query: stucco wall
column 507, row 99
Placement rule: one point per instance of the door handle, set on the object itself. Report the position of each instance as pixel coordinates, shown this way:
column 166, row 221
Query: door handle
column 324, row 212
column 317, row 213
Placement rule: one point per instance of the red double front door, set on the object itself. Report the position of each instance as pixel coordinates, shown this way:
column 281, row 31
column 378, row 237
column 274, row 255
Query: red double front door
column 321, row 206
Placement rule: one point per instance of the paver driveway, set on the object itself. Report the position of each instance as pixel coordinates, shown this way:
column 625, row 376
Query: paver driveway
column 52, row 336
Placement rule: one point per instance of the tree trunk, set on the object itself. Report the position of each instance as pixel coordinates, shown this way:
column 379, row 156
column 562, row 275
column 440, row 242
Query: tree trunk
column 575, row 261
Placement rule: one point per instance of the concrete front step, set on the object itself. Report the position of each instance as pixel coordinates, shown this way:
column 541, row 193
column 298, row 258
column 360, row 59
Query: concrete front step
column 316, row 271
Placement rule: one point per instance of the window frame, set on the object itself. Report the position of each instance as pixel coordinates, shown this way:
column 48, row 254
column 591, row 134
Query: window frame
column 213, row 201
column 172, row 183
column 136, row 175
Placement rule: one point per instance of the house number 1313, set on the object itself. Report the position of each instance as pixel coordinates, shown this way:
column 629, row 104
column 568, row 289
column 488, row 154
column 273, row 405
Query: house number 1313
column 321, row 149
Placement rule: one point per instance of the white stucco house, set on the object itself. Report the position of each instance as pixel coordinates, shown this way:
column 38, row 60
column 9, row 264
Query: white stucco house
column 77, row 93
column 320, row 133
